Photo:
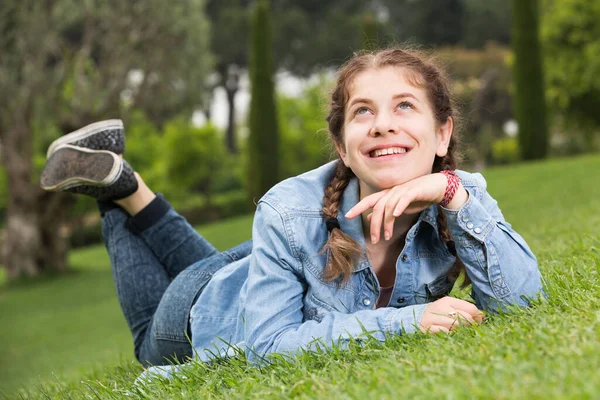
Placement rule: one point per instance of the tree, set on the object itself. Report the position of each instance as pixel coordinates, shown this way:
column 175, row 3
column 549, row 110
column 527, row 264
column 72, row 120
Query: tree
column 570, row 34
column 263, row 142
column 64, row 64
column 229, row 28
column 486, row 21
column 307, row 35
column 429, row 22
column 529, row 100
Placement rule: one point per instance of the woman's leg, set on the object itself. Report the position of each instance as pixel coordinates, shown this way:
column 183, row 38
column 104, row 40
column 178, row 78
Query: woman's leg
column 155, row 298
column 147, row 251
column 156, row 306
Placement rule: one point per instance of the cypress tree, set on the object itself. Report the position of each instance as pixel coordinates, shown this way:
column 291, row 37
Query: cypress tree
column 263, row 140
column 529, row 101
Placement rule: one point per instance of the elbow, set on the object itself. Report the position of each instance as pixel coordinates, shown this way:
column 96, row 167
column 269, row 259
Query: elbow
column 259, row 347
column 522, row 292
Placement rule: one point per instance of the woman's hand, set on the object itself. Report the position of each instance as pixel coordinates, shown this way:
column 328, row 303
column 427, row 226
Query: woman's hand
column 408, row 198
column 445, row 314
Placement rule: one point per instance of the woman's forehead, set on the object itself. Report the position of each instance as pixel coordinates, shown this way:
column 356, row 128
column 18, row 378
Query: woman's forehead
column 389, row 78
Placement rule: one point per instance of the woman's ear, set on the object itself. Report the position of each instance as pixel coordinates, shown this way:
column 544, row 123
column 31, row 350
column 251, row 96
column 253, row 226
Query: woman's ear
column 444, row 134
column 342, row 153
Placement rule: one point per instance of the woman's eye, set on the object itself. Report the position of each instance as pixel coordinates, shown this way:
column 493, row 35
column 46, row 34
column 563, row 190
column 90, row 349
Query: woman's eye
column 362, row 111
column 405, row 105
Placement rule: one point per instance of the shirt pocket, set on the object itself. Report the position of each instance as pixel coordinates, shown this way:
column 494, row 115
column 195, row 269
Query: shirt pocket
column 315, row 309
column 438, row 288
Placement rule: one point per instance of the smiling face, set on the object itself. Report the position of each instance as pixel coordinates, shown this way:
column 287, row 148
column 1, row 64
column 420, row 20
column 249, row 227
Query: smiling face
column 390, row 134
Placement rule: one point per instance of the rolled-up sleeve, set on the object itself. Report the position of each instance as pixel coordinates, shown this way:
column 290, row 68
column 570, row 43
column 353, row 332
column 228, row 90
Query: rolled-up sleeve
column 497, row 259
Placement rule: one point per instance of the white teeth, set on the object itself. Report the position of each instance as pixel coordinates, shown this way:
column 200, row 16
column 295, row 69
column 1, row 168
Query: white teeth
column 390, row 150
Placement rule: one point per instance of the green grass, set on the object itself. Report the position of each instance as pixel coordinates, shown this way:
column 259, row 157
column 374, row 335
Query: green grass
column 551, row 350
column 68, row 324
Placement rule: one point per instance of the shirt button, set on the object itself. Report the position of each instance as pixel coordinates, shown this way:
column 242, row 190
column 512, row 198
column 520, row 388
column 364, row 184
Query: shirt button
column 470, row 225
column 404, row 257
column 465, row 218
column 400, row 300
column 366, row 302
column 477, row 230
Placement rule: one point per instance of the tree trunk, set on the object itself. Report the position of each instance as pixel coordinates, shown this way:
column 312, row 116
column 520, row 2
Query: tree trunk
column 530, row 103
column 54, row 232
column 231, row 139
column 22, row 237
column 36, row 237
column 231, row 88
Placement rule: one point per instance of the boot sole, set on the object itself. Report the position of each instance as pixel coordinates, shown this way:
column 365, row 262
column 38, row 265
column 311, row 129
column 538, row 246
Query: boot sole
column 71, row 166
column 84, row 132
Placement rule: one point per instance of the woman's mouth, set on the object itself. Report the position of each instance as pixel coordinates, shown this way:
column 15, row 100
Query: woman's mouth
column 390, row 151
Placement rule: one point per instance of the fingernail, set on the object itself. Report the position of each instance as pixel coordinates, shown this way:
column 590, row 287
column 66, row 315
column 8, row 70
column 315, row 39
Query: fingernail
column 396, row 213
column 387, row 236
column 373, row 239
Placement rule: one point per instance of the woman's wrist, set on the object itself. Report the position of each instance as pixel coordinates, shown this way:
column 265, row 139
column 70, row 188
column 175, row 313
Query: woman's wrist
column 460, row 198
column 455, row 195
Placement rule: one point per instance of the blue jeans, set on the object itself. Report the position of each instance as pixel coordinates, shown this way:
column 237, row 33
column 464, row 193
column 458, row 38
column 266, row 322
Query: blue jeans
column 158, row 274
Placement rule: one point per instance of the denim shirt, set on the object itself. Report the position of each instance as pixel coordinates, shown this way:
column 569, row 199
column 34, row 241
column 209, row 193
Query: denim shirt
column 276, row 300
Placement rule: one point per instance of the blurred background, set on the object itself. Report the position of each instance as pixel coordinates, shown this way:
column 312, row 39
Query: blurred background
column 221, row 99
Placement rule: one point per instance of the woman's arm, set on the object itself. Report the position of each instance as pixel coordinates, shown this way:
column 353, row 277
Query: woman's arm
column 274, row 299
column 501, row 266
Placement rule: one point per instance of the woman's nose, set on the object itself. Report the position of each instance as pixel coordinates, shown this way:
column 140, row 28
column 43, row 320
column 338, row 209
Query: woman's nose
column 383, row 124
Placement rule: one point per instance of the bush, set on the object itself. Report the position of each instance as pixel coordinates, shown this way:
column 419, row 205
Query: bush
column 505, row 150
column 304, row 141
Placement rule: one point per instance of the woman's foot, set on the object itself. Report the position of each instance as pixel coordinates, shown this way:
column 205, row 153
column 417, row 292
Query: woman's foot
column 103, row 135
column 98, row 173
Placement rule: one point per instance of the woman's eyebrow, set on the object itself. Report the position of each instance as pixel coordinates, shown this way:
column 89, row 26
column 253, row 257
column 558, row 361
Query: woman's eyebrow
column 404, row 95
column 358, row 100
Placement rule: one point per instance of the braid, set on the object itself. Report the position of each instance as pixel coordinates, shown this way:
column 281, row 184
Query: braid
column 440, row 164
column 343, row 250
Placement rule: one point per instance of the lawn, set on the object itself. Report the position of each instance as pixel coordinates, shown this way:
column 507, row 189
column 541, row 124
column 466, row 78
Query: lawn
column 71, row 326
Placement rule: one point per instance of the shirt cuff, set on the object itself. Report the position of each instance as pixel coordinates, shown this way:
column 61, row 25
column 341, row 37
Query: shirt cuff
column 471, row 219
column 406, row 319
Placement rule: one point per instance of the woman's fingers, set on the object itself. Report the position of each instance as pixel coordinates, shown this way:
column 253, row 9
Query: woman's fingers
column 395, row 200
column 377, row 218
column 464, row 318
column 436, row 329
column 366, row 203
column 463, row 305
column 443, row 313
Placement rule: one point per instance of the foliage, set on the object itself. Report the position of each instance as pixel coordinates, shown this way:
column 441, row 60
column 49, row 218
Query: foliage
column 194, row 158
column 485, row 22
column 304, row 138
column 430, row 22
column 312, row 35
column 571, row 38
column 505, row 150
column 307, row 36
column 263, row 141
column 500, row 359
column 67, row 63
column 530, row 104
column 481, row 81
column 182, row 161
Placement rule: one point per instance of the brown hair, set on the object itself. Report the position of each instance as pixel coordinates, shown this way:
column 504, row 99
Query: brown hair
column 420, row 72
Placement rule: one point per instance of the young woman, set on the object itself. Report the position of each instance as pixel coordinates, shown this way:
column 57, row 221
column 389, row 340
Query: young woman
column 372, row 242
